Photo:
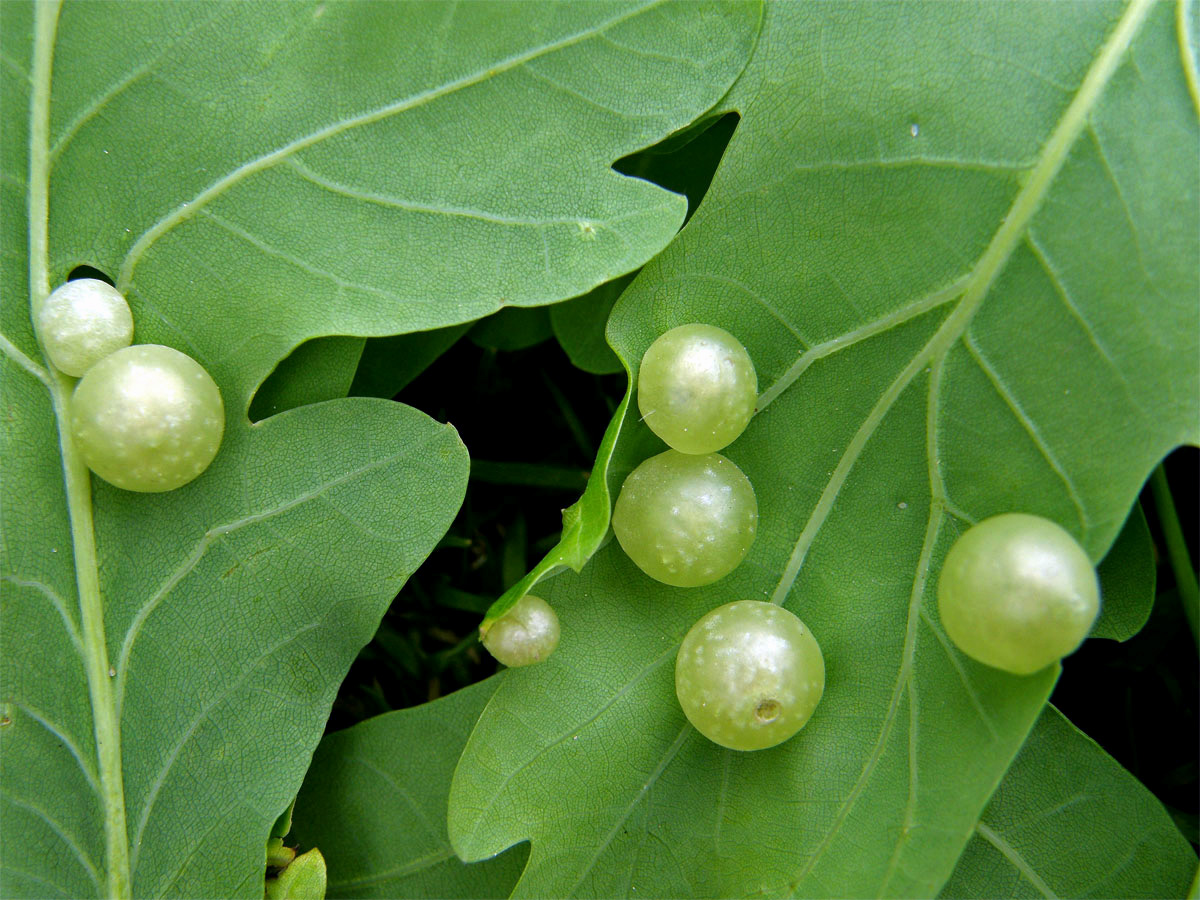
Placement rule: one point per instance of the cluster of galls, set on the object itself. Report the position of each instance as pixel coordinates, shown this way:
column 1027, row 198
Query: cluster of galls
column 146, row 417
column 1017, row 592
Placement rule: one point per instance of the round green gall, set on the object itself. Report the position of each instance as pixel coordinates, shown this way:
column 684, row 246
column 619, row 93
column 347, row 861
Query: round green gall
column 81, row 323
column 147, row 418
column 686, row 520
column 526, row 634
column 697, row 388
column 1018, row 593
column 749, row 675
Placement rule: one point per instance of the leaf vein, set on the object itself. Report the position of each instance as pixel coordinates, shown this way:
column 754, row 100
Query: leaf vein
column 953, row 657
column 432, row 830
column 428, row 861
column 59, row 604
column 849, row 457
column 884, row 323
column 186, row 209
column 201, row 547
column 1031, row 429
column 1060, row 289
column 66, row 740
column 1128, row 213
column 9, row 349
column 84, row 860
column 756, row 297
column 259, row 244
column 465, row 212
column 5, row 867
column 15, row 68
column 667, row 758
column 913, row 782
column 649, row 54
column 579, row 95
column 625, row 689
column 907, row 656
column 189, row 733
column 1018, row 861
column 133, row 77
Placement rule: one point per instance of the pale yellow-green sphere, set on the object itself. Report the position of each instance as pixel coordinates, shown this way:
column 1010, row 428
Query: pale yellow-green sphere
column 749, row 675
column 697, row 388
column 686, row 520
column 526, row 634
column 147, row 418
column 81, row 322
column 1018, row 593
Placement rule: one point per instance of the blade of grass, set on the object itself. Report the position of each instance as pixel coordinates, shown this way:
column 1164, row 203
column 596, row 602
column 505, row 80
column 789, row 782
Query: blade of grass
column 1177, row 551
column 582, row 441
column 529, row 475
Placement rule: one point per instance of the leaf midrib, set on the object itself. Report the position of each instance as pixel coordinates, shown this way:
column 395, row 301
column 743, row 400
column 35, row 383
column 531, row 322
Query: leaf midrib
column 1025, row 206
column 76, row 476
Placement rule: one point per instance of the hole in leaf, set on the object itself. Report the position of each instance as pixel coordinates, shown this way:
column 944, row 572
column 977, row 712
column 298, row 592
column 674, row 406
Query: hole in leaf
column 684, row 163
column 767, row 712
column 89, row 272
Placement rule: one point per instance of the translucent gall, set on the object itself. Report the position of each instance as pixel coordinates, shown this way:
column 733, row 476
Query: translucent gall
column 147, row 418
column 1018, row 593
column 749, row 675
column 82, row 322
column 686, row 520
column 697, row 388
column 526, row 634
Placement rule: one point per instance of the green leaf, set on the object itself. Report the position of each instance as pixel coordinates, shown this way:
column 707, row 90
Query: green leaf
column 1068, row 821
column 233, row 608
column 247, row 203
column 512, row 329
column 959, row 244
column 321, row 369
column 284, row 823
column 683, row 163
column 374, row 801
column 389, row 364
column 525, row 106
column 303, row 879
column 579, row 326
column 1127, row 580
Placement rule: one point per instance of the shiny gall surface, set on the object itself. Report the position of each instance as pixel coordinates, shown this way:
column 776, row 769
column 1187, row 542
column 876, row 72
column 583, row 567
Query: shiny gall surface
column 82, row 322
column 526, row 634
column 697, row 388
column 686, row 520
column 749, row 675
column 1018, row 593
column 147, row 418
